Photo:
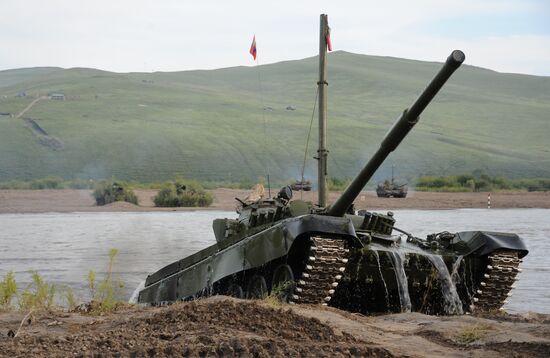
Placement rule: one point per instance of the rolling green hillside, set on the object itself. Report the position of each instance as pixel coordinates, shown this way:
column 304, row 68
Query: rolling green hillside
column 209, row 124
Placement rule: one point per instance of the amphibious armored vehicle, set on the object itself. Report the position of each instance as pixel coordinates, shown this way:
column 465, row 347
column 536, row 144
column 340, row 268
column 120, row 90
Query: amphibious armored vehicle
column 391, row 189
column 301, row 185
column 329, row 254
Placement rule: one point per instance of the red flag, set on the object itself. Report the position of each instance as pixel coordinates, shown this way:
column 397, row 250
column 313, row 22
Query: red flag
column 327, row 38
column 253, row 48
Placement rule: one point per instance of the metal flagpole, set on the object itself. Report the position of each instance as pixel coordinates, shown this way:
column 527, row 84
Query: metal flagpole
column 322, row 152
column 257, row 60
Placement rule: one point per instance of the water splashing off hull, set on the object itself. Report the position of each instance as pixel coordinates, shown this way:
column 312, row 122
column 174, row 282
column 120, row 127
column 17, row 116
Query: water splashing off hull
column 398, row 259
column 453, row 304
column 134, row 298
column 456, row 266
column 386, row 294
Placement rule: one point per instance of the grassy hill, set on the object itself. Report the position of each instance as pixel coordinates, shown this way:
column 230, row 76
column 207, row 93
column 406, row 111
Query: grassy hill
column 209, row 124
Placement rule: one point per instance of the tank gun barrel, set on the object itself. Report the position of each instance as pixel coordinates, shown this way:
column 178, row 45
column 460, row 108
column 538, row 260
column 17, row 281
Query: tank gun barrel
column 398, row 131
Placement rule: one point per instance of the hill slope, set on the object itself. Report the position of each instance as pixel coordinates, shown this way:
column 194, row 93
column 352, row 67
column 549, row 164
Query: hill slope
column 209, row 124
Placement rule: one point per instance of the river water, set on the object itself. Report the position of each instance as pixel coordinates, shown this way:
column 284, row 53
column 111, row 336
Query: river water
column 63, row 248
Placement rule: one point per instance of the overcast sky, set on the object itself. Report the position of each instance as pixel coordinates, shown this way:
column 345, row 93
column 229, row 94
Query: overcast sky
column 166, row 35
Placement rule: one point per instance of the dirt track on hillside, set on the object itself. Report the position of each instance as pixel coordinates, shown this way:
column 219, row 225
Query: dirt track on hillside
column 40, row 201
column 220, row 326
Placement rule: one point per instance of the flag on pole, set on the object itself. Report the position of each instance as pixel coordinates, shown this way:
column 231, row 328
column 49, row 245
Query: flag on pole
column 253, row 48
column 327, row 38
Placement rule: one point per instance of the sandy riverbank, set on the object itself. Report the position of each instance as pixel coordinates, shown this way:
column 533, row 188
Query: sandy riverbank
column 226, row 327
column 40, row 201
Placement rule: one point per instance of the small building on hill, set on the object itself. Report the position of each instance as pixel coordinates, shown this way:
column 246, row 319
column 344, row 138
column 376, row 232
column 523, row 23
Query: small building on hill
column 57, row 96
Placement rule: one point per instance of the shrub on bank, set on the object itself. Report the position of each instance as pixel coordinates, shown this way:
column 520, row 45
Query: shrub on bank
column 178, row 194
column 109, row 191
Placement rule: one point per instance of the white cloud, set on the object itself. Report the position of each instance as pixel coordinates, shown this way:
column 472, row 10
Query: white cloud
column 528, row 54
column 524, row 54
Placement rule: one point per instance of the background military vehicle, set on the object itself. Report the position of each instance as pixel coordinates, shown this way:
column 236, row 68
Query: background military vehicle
column 389, row 189
column 301, row 185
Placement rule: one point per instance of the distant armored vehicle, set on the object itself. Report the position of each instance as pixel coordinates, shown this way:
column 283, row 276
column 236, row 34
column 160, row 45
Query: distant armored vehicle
column 391, row 189
column 300, row 185
column 323, row 254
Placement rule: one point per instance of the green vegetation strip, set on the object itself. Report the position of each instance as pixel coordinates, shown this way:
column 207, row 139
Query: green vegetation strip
column 170, row 195
column 479, row 182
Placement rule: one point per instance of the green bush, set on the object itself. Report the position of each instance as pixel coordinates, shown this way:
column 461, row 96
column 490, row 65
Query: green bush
column 178, row 194
column 109, row 191
column 49, row 182
column 337, row 183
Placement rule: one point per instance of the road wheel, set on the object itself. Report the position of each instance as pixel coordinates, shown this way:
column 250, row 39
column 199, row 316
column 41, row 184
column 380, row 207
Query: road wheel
column 257, row 287
column 235, row 290
column 283, row 283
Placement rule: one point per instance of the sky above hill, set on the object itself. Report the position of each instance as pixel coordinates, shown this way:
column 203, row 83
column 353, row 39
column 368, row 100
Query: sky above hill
column 173, row 35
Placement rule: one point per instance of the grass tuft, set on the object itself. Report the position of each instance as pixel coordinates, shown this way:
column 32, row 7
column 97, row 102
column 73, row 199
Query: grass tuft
column 275, row 297
column 40, row 298
column 70, row 298
column 471, row 334
column 106, row 293
column 8, row 290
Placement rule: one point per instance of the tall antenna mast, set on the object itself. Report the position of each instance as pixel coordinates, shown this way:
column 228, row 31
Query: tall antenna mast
column 322, row 152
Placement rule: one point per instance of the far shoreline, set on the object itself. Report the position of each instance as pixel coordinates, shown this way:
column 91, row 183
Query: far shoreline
column 73, row 200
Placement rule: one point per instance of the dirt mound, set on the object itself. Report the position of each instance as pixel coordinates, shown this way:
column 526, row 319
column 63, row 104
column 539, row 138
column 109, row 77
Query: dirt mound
column 220, row 326
column 202, row 328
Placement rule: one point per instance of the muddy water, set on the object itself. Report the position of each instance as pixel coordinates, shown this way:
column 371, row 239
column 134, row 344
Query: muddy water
column 65, row 247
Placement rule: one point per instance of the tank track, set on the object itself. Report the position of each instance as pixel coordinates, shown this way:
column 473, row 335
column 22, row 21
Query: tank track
column 325, row 266
column 498, row 280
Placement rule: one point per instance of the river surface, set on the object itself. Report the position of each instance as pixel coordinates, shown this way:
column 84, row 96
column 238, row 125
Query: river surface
column 63, row 248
